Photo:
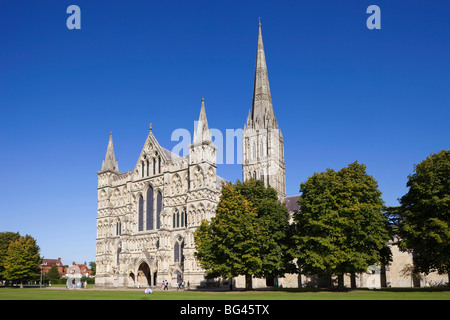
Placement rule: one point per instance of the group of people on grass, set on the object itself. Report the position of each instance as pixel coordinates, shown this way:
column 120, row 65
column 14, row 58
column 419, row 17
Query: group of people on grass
column 165, row 286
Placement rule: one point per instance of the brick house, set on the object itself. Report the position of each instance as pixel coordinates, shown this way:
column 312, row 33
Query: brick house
column 64, row 269
column 48, row 263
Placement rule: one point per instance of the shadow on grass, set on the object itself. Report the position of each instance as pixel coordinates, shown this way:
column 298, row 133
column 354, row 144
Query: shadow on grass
column 330, row 290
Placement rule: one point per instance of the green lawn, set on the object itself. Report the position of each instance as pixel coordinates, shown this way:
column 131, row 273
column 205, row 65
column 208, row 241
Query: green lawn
column 92, row 294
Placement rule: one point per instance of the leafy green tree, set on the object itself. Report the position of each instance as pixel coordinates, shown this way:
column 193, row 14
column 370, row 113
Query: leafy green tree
column 341, row 227
column 23, row 259
column 424, row 226
column 368, row 229
column 318, row 233
column 93, row 267
column 53, row 273
column 5, row 239
column 230, row 245
column 274, row 216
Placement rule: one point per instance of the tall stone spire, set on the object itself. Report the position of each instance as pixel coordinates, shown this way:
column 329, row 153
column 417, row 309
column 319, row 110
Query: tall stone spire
column 262, row 109
column 262, row 141
column 109, row 162
column 202, row 133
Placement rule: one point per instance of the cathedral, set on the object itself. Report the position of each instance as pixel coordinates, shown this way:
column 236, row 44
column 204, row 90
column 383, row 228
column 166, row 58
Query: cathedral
column 146, row 217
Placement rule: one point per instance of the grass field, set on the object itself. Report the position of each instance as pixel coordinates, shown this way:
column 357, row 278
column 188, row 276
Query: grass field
column 92, row 294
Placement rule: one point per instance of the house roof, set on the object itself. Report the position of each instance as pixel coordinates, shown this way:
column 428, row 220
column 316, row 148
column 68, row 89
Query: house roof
column 52, row 262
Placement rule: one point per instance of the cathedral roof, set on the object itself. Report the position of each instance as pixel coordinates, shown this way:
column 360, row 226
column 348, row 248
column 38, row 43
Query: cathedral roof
column 219, row 181
column 291, row 203
column 169, row 154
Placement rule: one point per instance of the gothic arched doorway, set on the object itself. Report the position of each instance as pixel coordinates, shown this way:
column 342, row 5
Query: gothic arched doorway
column 144, row 278
column 177, row 276
column 132, row 277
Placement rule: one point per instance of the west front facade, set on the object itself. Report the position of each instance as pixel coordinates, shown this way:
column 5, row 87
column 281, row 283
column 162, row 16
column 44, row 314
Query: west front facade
column 147, row 216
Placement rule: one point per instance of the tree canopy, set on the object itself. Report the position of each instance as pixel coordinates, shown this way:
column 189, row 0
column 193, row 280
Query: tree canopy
column 229, row 245
column 247, row 236
column 424, row 225
column 5, row 240
column 53, row 273
column 22, row 260
column 341, row 227
column 274, row 216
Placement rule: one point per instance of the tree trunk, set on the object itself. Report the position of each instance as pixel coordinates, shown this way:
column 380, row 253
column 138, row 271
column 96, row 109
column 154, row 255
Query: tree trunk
column 340, row 282
column 448, row 274
column 299, row 277
column 248, row 282
column 353, row 280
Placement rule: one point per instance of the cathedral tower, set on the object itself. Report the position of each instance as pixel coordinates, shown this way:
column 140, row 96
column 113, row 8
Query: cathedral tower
column 263, row 148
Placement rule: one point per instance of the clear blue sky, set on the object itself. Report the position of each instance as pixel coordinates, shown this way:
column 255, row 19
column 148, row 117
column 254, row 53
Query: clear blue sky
column 341, row 93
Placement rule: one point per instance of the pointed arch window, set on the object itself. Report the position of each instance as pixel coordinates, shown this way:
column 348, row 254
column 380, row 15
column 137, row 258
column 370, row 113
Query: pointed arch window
column 159, row 207
column 183, row 218
column 118, row 228
column 150, row 205
column 178, row 250
column 119, row 250
column 141, row 214
column 176, row 219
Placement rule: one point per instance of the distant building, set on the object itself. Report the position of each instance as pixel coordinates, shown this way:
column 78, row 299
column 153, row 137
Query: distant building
column 47, row 264
column 63, row 270
column 81, row 268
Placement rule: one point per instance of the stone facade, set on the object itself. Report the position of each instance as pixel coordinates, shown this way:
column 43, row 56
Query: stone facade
column 147, row 217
